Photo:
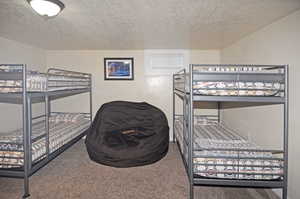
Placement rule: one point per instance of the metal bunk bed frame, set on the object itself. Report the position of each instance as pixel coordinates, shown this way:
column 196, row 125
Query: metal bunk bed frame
column 188, row 97
column 26, row 99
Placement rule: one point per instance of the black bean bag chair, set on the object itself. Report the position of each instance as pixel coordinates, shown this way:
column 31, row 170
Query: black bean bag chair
column 127, row 134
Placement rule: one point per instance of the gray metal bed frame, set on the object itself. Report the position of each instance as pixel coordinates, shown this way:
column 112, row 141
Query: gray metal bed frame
column 189, row 97
column 26, row 99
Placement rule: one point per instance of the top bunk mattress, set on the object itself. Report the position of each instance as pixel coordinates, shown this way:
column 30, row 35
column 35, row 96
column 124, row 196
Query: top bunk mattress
column 231, row 80
column 55, row 80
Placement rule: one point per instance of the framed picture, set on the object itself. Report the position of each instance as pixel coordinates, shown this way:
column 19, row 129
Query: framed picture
column 118, row 69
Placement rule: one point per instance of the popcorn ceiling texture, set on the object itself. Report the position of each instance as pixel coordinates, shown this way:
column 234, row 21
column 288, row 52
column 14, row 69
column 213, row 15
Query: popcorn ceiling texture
column 141, row 24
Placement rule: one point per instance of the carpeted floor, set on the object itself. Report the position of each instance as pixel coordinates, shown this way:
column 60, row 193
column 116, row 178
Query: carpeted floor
column 73, row 175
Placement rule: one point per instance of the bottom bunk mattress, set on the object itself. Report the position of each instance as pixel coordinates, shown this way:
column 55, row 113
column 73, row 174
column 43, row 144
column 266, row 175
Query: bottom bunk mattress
column 63, row 127
column 220, row 152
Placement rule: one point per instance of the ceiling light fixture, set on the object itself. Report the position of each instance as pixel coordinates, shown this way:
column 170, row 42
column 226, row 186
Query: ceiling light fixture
column 48, row 8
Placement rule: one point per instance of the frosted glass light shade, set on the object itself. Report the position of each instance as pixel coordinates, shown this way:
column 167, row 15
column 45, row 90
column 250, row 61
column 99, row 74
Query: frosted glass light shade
column 49, row 8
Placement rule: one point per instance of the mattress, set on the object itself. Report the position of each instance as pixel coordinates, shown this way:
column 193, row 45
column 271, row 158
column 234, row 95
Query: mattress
column 63, row 128
column 216, row 156
column 236, row 69
column 232, row 85
column 238, row 88
column 37, row 82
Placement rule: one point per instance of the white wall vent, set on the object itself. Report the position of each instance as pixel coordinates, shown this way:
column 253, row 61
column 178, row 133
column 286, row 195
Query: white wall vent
column 165, row 62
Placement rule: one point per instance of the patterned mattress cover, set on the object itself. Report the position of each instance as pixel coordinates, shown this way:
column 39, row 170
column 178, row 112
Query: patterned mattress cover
column 237, row 87
column 237, row 69
column 37, row 82
column 227, row 164
column 216, row 88
column 63, row 128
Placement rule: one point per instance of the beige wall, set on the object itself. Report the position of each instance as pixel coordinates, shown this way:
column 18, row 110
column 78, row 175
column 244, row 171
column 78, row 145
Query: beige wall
column 156, row 90
column 278, row 43
column 12, row 52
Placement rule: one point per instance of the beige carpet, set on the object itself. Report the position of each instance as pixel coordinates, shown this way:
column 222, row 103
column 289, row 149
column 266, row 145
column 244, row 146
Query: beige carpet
column 73, row 175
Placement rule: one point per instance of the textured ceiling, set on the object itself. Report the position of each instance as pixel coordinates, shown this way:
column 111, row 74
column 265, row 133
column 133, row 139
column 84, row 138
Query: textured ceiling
column 141, row 24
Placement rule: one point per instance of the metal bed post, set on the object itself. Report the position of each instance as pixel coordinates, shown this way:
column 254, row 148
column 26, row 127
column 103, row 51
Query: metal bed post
column 191, row 128
column 285, row 139
column 25, row 133
column 47, row 116
column 29, row 133
column 47, row 97
column 185, row 120
column 49, row 107
column 91, row 100
column 174, row 112
column 219, row 111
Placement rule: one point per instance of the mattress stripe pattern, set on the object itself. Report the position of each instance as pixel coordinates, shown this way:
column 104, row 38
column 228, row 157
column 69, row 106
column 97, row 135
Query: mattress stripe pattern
column 237, row 88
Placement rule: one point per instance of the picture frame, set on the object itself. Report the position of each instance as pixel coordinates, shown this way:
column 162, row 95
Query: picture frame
column 119, row 68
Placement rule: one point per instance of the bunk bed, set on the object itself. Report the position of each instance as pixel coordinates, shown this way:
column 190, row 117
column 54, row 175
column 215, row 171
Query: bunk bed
column 41, row 138
column 213, row 153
